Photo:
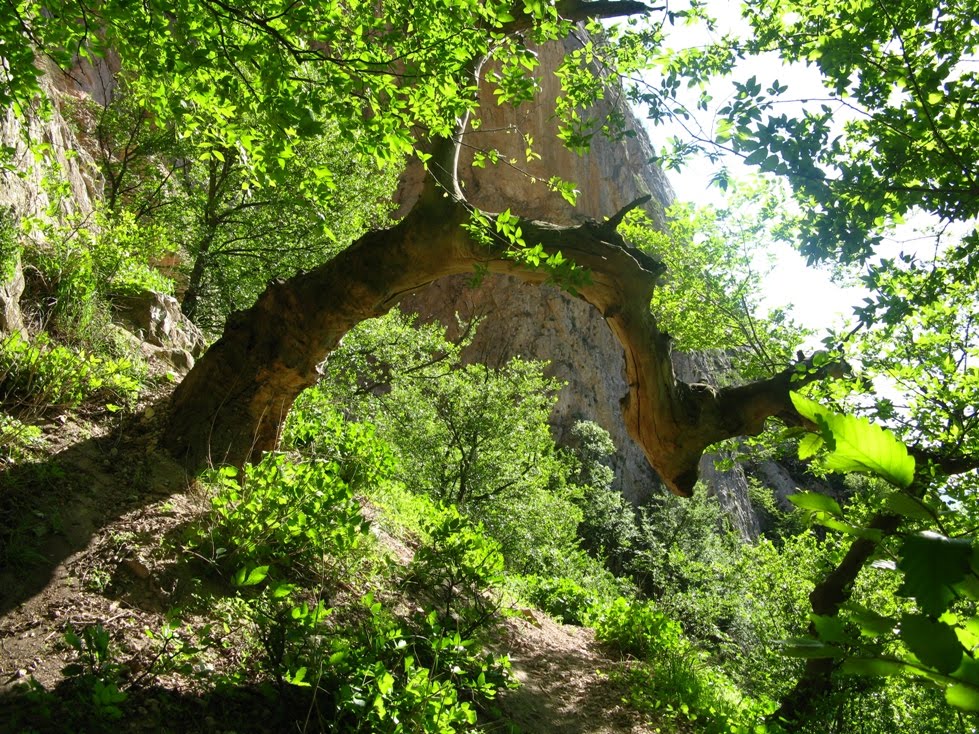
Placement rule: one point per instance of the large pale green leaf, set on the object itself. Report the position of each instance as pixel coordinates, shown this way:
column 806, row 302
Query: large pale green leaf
column 805, row 647
column 857, row 445
column 816, row 502
column 932, row 564
column 934, row 643
column 246, row 576
column 876, row 667
column 908, row 506
column 829, row 629
column 870, row 622
column 810, row 445
column 963, row 696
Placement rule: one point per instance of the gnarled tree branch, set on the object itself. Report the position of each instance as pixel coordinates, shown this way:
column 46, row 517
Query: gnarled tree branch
column 231, row 406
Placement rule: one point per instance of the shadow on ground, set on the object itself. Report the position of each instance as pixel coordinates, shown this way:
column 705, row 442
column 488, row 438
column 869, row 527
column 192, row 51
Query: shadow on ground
column 73, row 707
column 51, row 509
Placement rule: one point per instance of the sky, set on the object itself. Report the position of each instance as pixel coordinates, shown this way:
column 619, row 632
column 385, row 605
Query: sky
column 817, row 302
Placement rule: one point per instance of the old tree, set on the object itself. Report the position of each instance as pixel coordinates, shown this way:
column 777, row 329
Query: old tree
column 399, row 78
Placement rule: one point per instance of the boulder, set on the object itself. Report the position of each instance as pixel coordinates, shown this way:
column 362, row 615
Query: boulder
column 156, row 319
column 11, row 288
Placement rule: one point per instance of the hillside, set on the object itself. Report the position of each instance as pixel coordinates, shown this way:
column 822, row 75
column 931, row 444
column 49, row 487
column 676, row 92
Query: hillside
column 106, row 511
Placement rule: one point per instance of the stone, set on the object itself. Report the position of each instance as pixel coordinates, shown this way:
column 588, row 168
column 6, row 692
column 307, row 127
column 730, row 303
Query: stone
column 730, row 486
column 11, row 318
column 545, row 323
column 156, row 319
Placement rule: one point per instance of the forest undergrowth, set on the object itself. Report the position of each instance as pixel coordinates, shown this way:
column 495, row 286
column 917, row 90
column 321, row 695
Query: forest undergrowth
column 415, row 551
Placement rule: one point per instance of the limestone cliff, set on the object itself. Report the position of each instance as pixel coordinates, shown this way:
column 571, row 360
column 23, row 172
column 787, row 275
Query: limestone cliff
column 24, row 187
column 546, row 323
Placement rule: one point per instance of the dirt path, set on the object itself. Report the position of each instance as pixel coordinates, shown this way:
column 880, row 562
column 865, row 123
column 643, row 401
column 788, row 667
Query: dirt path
column 565, row 684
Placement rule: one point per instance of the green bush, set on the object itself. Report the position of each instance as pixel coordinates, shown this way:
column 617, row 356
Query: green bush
column 291, row 518
column 679, row 686
column 317, row 430
column 672, row 677
column 75, row 266
column 16, row 438
column 95, row 675
column 43, row 376
column 123, row 251
column 637, row 628
column 456, row 569
column 383, row 678
column 562, row 598
column 10, row 246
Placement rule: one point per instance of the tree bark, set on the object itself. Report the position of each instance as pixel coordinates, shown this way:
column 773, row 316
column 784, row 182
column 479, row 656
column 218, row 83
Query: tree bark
column 230, row 407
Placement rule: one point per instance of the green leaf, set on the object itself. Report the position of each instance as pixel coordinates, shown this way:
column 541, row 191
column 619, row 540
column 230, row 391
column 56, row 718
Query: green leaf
column 933, row 643
column 906, row 506
column 875, row 667
column 246, row 577
column 931, row 564
column 757, row 157
column 810, row 445
column 963, row 696
column 829, row 629
column 816, row 502
column 844, row 527
column 967, row 632
column 870, row 622
column 858, row 445
column 298, row 678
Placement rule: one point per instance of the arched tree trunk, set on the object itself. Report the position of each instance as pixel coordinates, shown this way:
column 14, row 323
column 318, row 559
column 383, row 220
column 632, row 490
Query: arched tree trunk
column 230, row 408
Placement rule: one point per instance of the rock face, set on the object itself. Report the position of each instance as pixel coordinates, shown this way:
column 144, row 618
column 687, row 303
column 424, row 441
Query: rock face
column 155, row 318
column 730, row 486
column 11, row 288
column 22, row 185
column 23, row 192
column 546, row 323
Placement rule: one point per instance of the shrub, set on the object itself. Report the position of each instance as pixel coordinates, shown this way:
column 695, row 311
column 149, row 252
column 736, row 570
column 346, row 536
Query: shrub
column 456, row 568
column 562, row 598
column 317, row 430
column 383, row 679
column 16, row 438
column 9, row 245
column 95, row 676
column 123, row 251
column 291, row 518
column 74, row 266
column 637, row 628
column 671, row 676
column 41, row 375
